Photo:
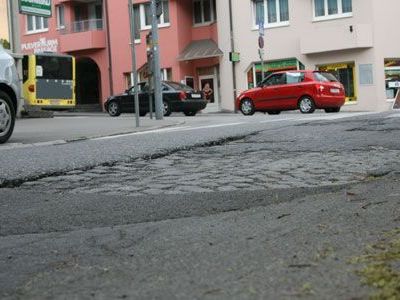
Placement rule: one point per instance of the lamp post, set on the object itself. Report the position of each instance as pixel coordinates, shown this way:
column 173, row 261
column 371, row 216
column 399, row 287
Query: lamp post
column 133, row 52
column 156, row 60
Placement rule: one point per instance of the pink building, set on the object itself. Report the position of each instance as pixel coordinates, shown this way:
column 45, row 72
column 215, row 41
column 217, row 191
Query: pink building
column 97, row 34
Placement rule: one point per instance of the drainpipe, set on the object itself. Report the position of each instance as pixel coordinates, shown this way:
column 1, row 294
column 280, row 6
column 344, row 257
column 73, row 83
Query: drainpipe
column 232, row 50
column 110, row 72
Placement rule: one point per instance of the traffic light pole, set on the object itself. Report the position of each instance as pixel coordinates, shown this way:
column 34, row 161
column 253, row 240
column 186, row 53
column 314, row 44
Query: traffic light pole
column 134, row 71
column 156, row 63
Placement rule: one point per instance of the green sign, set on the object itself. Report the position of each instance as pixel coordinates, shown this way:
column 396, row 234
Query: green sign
column 35, row 7
column 278, row 65
column 234, row 56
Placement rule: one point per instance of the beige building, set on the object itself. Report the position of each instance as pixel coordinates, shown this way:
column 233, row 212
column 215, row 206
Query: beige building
column 4, row 34
column 354, row 39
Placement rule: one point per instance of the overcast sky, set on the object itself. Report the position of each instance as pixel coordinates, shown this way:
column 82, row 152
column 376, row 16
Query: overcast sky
column 3, row 20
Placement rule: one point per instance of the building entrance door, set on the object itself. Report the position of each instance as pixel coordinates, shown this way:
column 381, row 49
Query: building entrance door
column 209, row 86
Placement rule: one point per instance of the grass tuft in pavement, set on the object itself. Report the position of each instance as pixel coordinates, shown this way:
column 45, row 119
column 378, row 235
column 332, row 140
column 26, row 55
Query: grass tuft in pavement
column 381, row 268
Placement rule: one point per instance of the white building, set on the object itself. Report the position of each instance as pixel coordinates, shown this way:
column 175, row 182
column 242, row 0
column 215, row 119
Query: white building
column 354, row 39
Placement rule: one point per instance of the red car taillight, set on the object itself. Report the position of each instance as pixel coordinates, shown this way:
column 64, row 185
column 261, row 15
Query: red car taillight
column 31, row 88
column 182, row 96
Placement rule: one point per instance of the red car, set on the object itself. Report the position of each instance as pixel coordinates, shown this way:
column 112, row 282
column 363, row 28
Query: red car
column 291, row 90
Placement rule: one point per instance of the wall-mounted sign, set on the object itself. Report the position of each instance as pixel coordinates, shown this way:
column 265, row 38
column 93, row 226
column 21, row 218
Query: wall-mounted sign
column 234, row 56
column 35, row 7
column 42, row 45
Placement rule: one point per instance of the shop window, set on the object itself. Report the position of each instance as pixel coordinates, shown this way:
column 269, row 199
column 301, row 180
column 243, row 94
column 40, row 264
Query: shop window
column 344, row 72
column 392, row 77
column 270, row 12
column 331, row 9
column 203, row 12
column 36, row 24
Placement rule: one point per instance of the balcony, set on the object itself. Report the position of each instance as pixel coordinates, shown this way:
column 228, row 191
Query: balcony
column 336, row 38
column 83, row 35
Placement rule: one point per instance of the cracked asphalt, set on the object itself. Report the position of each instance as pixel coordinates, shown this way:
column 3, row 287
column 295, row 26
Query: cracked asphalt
column 276, row 213
column 309, row 155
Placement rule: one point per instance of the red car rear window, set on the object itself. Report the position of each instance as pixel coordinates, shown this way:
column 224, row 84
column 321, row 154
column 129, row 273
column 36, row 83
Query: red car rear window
column 324, row 77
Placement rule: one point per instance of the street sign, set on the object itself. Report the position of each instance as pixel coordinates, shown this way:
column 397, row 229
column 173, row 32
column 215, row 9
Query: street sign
column 35, row 7
column 260, row 42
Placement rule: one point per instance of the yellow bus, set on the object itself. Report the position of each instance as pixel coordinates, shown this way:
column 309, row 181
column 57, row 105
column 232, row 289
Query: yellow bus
column 49, row 80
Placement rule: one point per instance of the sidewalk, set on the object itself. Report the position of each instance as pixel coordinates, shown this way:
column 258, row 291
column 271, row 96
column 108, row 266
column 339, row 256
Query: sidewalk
column 66, row 126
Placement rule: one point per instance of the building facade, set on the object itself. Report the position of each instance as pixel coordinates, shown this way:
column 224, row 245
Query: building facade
column 97, row 33
column 353, row 39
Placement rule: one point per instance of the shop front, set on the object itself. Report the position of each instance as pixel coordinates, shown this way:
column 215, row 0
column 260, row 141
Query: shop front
column 254, row 74
column 392, row 78
column 345, row 73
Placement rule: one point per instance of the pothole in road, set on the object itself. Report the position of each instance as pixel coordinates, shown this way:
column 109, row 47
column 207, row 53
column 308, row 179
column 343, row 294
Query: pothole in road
column 220, row 168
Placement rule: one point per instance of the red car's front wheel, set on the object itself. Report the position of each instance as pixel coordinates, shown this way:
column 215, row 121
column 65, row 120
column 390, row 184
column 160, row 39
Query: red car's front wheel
column 247, row 107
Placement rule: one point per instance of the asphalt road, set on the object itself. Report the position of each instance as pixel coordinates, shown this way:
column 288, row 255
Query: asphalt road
column 327, row 188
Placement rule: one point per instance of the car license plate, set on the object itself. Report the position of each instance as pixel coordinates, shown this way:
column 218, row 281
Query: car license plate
column 196, row 96
column 335, row 91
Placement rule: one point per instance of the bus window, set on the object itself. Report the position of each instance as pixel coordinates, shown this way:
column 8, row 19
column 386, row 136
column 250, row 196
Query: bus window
column 55, row 67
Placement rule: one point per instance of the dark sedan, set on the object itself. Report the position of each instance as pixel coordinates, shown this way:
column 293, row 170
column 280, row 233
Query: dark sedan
column 177, row 97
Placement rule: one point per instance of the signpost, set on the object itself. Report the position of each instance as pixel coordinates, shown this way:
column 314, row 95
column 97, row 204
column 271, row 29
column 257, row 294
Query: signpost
column 40, row 8
column 261, row 46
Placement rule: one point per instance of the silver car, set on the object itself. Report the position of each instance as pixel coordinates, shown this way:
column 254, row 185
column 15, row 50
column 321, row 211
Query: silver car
column 9, row 95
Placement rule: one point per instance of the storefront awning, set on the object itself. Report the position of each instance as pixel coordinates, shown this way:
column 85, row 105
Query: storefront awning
column 200, row 49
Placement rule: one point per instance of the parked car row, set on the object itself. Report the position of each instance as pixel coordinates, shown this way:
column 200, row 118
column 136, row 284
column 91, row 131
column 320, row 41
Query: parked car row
column 291, row 90
column 281, row 91
column 176, row 97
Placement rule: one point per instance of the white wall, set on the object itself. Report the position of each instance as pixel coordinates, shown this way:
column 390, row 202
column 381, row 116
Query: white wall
column 370, row 46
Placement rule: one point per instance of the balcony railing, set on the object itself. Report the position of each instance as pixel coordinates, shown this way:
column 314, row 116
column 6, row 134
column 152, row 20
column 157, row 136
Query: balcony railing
column 82, row 26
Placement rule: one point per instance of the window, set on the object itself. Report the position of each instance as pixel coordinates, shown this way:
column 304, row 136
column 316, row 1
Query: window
column 275, row 79
column 203, row 12
column 36, row 24
column 145, row 15
column 60, row 16
column 166, row 74
column 136, row 17
column 294, row 77
column 271, row 12
column 331, row 9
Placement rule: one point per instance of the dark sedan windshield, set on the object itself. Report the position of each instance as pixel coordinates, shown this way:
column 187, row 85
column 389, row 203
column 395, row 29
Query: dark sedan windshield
column 179, row 86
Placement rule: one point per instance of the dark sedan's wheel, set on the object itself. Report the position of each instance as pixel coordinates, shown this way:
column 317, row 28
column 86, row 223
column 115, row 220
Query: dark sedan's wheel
column 190, row 113
column 113, row 109
column 306, row 105
column 332, row 110
column 7, row 117
column 166, row 109
column 247, row 107
column 274, row 112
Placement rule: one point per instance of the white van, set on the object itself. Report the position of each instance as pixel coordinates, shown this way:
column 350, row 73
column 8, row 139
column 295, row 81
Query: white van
column 9, row 95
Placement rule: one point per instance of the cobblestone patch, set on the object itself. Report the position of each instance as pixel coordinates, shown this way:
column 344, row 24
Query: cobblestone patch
column 235, row 166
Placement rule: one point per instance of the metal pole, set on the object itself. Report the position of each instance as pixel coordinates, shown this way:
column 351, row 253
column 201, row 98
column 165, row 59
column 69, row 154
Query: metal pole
column 233, row 50
column 156, row 63
column 262, row 64
column 134, row 72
